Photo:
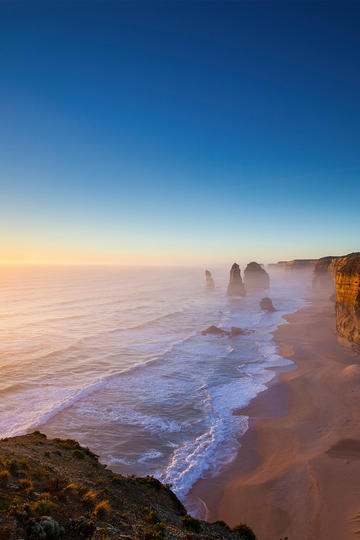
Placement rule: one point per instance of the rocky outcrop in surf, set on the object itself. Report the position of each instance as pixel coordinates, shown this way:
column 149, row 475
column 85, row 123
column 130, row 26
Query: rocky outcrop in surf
column 209, row 280
column 324, row 275
column 216, row 331
column 255, row 277
column 236, row 285
column 266, row 304
column 347, row 305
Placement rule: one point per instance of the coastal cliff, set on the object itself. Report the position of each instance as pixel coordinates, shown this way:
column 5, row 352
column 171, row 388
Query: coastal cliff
column 55, row 489
column 347, row 305
column 255, row 277
column 324, row 274
column 297, row 265
column 236, row 285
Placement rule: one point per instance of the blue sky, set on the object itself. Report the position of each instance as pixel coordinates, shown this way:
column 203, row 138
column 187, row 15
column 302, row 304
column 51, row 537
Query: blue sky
column 178, row 132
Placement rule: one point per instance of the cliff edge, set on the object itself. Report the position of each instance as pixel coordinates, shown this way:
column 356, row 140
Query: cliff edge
column 52, row 489
column 324, row 274
column 347, row 304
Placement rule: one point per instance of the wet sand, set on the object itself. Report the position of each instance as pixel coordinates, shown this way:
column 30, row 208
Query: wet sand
column 297, row 473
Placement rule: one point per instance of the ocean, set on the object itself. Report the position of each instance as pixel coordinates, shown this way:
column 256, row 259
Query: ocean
column 115, row 358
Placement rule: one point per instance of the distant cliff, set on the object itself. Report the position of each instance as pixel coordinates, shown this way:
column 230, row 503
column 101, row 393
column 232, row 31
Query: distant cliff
column 324, row 274
column 236, row 285
column 348, row 297
column 296, row 265
column 255, row 277
column 55, row 489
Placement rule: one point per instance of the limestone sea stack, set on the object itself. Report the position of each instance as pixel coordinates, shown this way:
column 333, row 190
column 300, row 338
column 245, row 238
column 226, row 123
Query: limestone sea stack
column 255, row 277
column 267, row 305
column 209, row 280
column 324, row 275
column 347, row 304
column 236, row 285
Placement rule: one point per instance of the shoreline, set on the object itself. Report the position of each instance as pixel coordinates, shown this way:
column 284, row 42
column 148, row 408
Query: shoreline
column 206, row 494
column 296, row 471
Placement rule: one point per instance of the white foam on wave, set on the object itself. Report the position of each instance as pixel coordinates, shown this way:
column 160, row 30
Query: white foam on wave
column 37, row 410
column 208, row 453
column 150, row 455
column 123, row 414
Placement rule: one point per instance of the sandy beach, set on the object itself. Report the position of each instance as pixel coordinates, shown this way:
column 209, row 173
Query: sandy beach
column 297, row 472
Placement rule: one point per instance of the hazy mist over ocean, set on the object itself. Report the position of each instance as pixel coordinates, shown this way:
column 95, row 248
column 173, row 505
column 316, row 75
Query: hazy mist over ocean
column 115, row 358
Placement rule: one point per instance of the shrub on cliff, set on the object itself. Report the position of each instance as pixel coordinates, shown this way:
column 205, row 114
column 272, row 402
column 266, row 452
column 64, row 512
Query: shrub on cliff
column 149, row 481
column 102, row 509
column 43, row 507
column 4, row 478
column 191, row 523
column 244, row 532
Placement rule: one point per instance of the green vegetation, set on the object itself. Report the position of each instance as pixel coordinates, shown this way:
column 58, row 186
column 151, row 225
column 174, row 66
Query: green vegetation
column 12, row 466
column 78, row 454
column 244, row 532
column 191, row 523
column 89, row 498
column 149, row 481
column 102, row 509
column 25, row 483
column 48, row 494
column 152, row 516
column 4, row 478
column 222, row 524
column 43, row 507
column 159, row 529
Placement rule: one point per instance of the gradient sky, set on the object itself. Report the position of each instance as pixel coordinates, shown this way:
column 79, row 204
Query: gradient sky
column 178, row 132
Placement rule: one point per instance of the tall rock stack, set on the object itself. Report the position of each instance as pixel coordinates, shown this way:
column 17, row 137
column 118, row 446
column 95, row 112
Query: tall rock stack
column 255, row 277
column 209, row 280
column 324, row 275
column 347, row 305
column 236, row 285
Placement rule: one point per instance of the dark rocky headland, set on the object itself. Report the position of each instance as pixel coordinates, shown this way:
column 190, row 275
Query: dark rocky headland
column 53, row 489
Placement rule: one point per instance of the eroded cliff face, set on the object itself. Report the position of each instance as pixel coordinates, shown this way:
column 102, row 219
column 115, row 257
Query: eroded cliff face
column 348, row 297
column 255, row 277
column 324, row 275
column 236, row 285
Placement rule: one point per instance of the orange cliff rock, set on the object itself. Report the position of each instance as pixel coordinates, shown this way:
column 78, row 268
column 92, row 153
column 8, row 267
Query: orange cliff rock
column 348, row 297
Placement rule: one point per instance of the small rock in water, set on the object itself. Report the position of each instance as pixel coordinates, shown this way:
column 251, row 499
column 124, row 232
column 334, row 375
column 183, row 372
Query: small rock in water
column 215, row 330
column 235, row 331
column 267, row 305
